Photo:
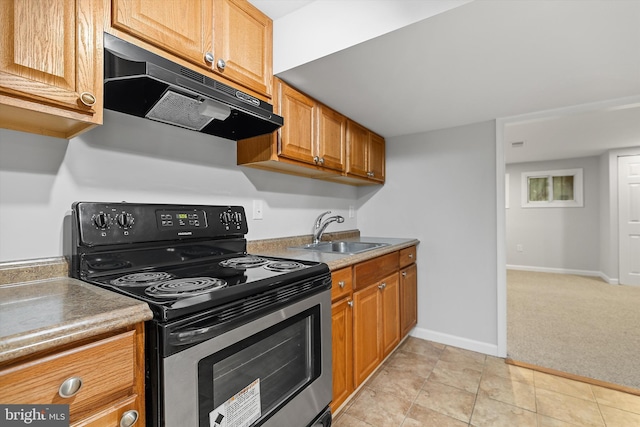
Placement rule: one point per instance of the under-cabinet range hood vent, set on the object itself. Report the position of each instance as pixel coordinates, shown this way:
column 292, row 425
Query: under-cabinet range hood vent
column 143, row 84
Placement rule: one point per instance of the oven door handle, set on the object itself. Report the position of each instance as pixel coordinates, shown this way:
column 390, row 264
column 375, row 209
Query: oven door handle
column 192, row 336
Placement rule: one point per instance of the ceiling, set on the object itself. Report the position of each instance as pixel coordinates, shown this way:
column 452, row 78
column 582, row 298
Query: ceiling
column 491, row 59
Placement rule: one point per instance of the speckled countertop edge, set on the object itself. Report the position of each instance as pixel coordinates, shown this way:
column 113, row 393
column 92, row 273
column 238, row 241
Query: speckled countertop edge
column 40, row 315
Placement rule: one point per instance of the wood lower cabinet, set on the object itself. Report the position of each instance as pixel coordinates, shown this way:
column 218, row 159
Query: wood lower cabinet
column 408, row 290
column 374, row 307
column 342, row 336
column 230, row 38
column 102, row 381
column 408, row 299
column 51, row 66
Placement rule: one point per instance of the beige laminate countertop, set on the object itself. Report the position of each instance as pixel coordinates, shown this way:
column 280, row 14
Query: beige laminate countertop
column 39, row 315
column 335, row 261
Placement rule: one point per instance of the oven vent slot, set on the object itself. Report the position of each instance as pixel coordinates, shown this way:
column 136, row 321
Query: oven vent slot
column 264, row 300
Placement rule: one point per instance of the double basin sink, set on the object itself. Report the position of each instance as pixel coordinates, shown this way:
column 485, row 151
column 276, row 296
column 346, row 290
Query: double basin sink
column 342, row 247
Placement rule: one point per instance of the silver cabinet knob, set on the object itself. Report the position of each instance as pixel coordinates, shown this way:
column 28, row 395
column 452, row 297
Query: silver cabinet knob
column 410, row 256
column 70, row 387
column 382, row 285
column 404, row 274
column 88, row 99
column 341, row 284
column 316, row 159
column 129, row 418
column 350, row 304
column 209, row 57
column 221, row 64
column 321, row 161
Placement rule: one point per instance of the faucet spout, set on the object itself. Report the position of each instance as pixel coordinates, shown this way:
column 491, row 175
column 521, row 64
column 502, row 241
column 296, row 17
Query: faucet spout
column 320, row 225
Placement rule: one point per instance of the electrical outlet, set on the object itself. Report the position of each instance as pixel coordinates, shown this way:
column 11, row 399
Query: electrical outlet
column 257, row 209
column 519, row 248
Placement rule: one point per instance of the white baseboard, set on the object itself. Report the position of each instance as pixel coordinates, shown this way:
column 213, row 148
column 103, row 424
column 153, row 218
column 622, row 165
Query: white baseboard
column 599, row 274
column 455, row 341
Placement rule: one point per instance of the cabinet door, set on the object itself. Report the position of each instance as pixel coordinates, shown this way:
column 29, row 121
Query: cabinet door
column 298, row 133
column 366, row 339
column 376, row 157
column 182, row 28
column 332, row 134
column 243, row 40
column 342, row 346
column 357, row 149
column 408, row 298
column 390, row 313
column 51, row 56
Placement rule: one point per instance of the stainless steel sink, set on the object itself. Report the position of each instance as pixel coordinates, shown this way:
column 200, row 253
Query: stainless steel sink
column 342, row 247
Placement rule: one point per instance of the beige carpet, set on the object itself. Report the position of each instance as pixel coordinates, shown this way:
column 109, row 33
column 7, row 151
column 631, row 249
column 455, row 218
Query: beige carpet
column 575, row 324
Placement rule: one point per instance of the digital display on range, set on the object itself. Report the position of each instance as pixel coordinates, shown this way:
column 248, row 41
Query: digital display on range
column 181, row 220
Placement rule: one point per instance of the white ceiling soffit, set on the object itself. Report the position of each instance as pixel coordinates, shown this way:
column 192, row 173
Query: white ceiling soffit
column 480, row 61
column 577, row 134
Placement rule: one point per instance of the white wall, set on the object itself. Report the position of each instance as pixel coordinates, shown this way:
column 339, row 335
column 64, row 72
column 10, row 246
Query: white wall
column 555, row 239
column 442, row 191
column 138, row 160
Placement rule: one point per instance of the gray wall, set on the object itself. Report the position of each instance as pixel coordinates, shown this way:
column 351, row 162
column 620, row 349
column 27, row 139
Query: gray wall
column 138, row 160
column 555, row 239
column 443, row 191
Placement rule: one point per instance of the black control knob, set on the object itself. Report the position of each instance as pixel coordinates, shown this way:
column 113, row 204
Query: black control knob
column 125, row 219
column 225, row 217
column 101, row 220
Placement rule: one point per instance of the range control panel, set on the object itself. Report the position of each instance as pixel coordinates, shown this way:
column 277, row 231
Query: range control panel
column 116, row 223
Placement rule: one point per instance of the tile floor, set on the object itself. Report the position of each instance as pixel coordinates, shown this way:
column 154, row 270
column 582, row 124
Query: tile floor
column 429, row 384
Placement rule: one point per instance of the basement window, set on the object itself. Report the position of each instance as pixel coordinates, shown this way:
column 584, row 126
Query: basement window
column 552, row 189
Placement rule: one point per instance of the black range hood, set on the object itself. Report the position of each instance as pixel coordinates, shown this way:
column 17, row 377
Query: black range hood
column 143, row 84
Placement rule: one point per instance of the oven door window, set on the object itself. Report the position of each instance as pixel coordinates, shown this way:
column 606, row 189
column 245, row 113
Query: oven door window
column 252, row 378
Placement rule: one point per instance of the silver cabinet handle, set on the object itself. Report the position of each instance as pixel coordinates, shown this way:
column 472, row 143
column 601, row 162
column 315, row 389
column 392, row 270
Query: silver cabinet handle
column 209, row 57
column 88, row 99
column 70, row 387
column 410, row 256
column 316, row 159
column 382, row 285
column 321, row 161
column 341, row 284
column 350, row 304
column 404, row 274
column 129, row 418
column 221, row 64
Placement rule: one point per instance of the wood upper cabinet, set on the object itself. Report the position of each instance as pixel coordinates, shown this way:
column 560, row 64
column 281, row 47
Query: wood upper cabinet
column 102, row 381
column 365, row 153
column 51, row 66
column 311, row 143
column 228, row 37
column 182, row 28
column 297, row 136
column 243, row 40
column 331, row 138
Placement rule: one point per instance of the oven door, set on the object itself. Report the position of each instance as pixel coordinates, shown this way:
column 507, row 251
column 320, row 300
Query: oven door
column 274, row 370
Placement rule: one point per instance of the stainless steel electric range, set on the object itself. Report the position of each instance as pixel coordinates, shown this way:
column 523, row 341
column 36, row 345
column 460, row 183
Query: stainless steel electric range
column 237, row 340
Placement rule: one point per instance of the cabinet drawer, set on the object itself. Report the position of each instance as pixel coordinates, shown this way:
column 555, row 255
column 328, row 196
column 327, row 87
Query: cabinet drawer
column 341, row 283
column 368, row 272
column 407, row 256
column 111, row 415
column 105, row 367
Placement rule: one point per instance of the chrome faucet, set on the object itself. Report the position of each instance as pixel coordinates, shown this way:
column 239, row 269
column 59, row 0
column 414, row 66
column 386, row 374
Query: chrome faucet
column 320, row 225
